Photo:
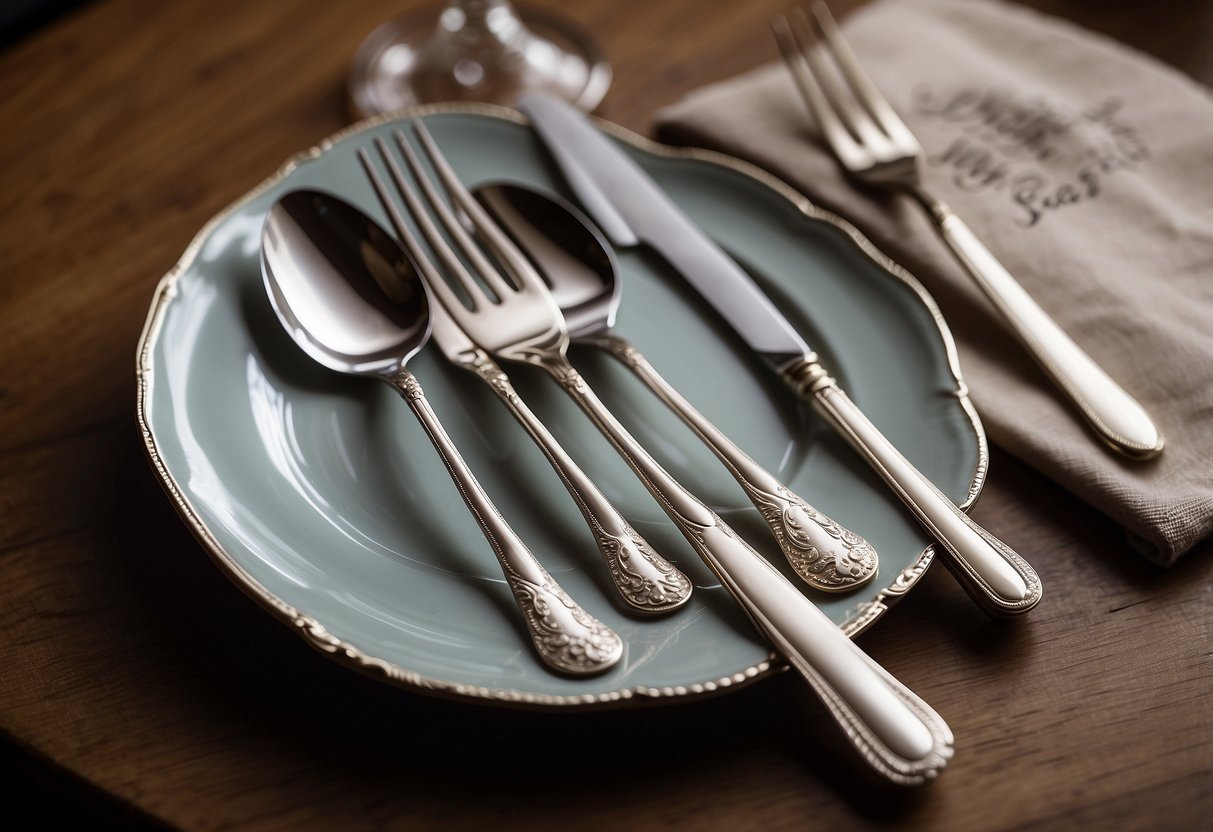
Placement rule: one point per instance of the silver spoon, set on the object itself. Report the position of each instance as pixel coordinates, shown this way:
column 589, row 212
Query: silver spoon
column 578, row 266
column 349, row 296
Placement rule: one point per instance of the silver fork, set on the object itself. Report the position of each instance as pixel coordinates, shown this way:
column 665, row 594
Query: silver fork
column 645, row 581
column 876, row 147
column 897, row 733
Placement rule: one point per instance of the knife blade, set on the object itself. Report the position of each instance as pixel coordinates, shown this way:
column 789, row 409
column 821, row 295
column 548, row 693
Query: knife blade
column 634, row 210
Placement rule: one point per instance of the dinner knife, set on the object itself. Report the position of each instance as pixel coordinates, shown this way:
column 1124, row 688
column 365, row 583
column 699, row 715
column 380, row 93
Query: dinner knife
column 632, row 209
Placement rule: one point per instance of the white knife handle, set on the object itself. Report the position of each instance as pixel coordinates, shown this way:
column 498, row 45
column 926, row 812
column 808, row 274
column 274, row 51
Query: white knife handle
column 990, row 571
column 897, row 733
column 1115, row 415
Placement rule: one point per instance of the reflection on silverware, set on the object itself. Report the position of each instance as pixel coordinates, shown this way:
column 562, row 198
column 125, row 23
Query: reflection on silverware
column 874, row 145
column 581, row 272
column 344, row 290
column 632, row 209
column 893, row 729
column 646, row 581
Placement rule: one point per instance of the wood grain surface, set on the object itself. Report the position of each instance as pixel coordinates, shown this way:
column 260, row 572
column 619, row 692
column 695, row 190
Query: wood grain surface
column 141, row 688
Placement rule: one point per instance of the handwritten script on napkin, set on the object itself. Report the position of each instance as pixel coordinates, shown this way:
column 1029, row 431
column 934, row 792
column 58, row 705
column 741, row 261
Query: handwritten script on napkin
column 1044, row 158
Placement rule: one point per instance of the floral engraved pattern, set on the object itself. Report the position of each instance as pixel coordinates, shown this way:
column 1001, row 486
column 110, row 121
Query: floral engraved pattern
column 648, row 581
column 488, row 370
column 571, row 380
column 826, row 555
column 408, row 385
column 567, row 637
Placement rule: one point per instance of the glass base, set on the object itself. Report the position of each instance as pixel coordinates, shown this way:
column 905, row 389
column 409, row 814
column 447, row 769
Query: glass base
column 429, row 57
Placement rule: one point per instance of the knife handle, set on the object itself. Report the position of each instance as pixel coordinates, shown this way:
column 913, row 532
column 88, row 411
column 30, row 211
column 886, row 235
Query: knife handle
column 897, row 733
column 827, row 556
column 995, row 576
column 1115, row 415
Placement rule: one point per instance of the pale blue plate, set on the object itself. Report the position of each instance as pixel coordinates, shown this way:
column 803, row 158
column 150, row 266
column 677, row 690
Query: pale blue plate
column 321, row 497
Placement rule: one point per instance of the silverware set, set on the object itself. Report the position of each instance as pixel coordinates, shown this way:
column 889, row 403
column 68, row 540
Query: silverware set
column 513, row 275
column 492, row 304
column 359, row 301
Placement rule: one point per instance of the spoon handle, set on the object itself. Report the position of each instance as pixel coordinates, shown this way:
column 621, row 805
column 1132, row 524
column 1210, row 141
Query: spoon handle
column 567, row 638
column 826, row 555
column 646, row 581
column 895, row 732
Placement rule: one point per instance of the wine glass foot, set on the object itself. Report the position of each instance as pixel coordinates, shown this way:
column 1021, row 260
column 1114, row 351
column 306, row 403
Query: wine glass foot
column 447, row 54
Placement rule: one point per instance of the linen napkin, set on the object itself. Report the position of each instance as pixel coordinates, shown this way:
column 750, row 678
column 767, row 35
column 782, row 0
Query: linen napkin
column 1087, row 169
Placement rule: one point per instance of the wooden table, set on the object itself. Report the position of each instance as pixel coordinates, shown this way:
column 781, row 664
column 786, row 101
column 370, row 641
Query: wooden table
column 140, row 687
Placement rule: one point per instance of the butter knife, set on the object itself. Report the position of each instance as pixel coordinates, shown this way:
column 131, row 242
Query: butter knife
column 632, row 210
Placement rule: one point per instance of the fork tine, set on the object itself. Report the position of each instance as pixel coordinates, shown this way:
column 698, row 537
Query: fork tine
column 794, row 47
column 424, row 219
column 433, row 278
column 867, row 93
column 502, row 246
column 439, row 208
column 838, row 89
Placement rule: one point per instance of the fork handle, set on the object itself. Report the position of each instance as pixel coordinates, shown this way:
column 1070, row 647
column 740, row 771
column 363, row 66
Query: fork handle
column 644, row 579
column 897, row 733
column 826, row 555
column 567, row 638
column 995, row 576
column 1115, row 415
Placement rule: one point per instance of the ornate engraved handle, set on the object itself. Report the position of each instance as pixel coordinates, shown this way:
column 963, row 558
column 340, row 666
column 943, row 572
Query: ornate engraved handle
column 992, row 573
column 893, row 729
column 1115, row 415
column 567, row 638
column 826, row 555
column 646, row 581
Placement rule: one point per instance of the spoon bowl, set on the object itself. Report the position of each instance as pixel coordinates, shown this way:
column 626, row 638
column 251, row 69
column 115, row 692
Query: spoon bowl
column 575, row 259
column 343, row 288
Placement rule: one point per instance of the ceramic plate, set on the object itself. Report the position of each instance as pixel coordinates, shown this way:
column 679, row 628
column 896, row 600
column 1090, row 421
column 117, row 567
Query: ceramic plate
column 320, row 495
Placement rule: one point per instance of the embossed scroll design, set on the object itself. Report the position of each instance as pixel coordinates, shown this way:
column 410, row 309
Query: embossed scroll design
column 622, row 552
column 597, row 645
column 826, row 555
column 844, row 566
column 656, row 589
column 407, row 385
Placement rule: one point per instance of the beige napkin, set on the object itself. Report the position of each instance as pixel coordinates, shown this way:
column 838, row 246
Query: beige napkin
column 1088, row 170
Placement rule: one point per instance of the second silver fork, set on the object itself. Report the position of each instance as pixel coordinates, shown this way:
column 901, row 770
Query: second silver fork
column 875, row 146
column 896, row 733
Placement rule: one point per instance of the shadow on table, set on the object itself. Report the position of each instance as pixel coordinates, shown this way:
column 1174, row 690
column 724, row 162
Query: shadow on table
column 21, row 18
column 259, row 684
column 251, row 670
